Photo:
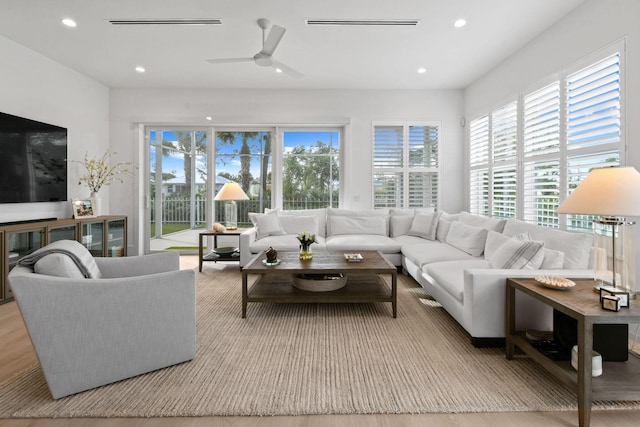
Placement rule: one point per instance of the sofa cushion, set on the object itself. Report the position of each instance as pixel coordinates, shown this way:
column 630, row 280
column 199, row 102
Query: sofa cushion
column 399, row 225
column 467, row 238
column 432, row 251
column 553, row 260
column 482, row 221
column 59, row 265
column 357, row 225
column 424, row 225
column 443, row 229
column 333, row 212
column 412, row 240
column 516, row 253
column 293, row 224
column 449, row 275
column 74, row 250
column 320, row 213
column 575, row 246
column 266, row 224
column 284, row 243
column 363, row 242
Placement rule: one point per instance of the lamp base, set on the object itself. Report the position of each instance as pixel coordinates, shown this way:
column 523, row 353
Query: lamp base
column 231, row 215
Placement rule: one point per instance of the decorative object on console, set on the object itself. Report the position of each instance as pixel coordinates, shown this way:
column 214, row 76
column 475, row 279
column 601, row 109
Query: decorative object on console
column 218, row 228
column 306, row 239
column 613, row 193
column 84, row 208
column 230, row 192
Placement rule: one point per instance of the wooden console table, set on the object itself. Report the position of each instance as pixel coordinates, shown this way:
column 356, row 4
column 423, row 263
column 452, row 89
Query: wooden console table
column 619, row 380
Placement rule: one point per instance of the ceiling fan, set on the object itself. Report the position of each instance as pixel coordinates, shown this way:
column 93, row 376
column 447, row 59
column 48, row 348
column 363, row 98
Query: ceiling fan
column 264, row 58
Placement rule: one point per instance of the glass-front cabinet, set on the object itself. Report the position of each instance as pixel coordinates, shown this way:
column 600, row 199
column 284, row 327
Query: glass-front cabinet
column 116, row 241
column 92, row 237
column 19, row 243
column 104, row 236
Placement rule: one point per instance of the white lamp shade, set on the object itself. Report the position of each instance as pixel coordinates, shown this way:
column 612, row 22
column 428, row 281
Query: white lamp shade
column 231, row 191
column 612, row 191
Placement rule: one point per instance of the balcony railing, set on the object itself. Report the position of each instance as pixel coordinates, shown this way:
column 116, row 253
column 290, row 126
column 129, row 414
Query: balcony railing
column 178, row 210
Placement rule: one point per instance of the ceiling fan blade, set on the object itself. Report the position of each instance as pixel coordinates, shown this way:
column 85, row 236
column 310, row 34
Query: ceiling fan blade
column 287, row 70
column 274, row 37
column 226, row 60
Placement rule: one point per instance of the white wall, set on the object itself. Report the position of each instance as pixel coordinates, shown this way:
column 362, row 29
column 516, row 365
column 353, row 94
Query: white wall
column 35, row 87
column 591, row 27
column 359, row 107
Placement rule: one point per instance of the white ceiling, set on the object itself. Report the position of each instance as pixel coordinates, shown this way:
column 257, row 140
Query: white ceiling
column 378, row 57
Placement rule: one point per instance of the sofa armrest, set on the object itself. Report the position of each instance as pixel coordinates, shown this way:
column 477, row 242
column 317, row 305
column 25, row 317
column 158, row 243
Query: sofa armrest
column 246, row 239
column 139, row 265
column 485, row 301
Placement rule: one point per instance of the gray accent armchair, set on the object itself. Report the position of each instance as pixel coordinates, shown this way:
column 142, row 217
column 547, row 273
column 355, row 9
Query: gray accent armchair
column 139, row 317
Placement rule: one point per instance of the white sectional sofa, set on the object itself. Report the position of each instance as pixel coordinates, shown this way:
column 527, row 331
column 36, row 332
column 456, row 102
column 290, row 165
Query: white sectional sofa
column 462, row 260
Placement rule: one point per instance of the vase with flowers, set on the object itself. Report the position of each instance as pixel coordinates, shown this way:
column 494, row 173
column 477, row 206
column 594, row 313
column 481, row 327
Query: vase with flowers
column 100, row 172
column 306, row 239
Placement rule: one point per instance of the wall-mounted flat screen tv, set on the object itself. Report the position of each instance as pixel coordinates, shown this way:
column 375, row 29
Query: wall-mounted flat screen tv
column 33, row 161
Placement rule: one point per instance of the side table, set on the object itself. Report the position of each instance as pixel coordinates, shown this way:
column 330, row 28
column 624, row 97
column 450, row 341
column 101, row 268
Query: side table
column 619, row 380
column 215, row 235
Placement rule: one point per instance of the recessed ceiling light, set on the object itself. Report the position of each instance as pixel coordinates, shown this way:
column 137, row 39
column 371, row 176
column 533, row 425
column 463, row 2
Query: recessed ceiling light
column 422, row 70
column 459, row 23
column 69, row 22
column 208, row 118
column 140, row 69
column 278, row 70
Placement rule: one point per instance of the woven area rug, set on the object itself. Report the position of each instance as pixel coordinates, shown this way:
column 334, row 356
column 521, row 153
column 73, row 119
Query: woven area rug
column 289, row 359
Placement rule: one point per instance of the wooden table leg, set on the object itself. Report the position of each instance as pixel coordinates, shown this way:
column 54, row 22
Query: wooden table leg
column 200, row 253
column 394, row 293
column 510, row 321
column 585, row 358
column 244, row 295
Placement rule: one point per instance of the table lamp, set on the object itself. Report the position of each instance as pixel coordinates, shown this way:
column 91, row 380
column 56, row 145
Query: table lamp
column 230, row 192
column 612, row 193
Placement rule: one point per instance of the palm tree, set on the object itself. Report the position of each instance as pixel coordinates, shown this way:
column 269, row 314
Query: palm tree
column 183, row 146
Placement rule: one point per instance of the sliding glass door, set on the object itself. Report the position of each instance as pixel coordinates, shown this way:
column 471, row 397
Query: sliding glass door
column 177, row 187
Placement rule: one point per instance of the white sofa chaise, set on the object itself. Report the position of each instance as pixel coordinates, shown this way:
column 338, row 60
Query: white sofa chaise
column 458, row 259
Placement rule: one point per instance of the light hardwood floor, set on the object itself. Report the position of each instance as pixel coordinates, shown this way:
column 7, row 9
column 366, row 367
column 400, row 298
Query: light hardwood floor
column 16, row 355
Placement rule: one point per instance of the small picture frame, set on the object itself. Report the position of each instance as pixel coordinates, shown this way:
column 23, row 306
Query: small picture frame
column 622, row 295
column 83, row 208
column 610, row 302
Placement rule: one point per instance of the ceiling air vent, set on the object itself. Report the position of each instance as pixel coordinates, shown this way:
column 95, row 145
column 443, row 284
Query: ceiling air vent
column 165, row 21
column 364, row 22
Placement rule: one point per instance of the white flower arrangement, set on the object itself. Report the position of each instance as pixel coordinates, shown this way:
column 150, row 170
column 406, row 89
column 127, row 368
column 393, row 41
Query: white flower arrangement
column 100, row 172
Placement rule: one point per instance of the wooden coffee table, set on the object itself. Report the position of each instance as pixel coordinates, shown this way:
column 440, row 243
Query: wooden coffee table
column 365, row 279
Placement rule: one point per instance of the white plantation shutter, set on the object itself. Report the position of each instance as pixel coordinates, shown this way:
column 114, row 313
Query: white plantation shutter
column 593, row 105
column 405, row 164
column 535, row 159
column 541, row 140
column 504, row 152
column 479, row 166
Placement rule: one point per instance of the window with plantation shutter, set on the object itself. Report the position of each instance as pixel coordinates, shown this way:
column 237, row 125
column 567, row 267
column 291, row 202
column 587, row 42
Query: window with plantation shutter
column 541, row 141
column 504, row 156
column 405, row 164
column 525, row 165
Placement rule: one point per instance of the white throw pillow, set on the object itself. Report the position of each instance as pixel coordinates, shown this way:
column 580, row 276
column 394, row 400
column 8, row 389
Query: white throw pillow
column 358, row 225
column 57, row 264
column 442, row 230
column 518, row 254
column 399, row 225
column 467, row 238
column 292, row 224
column 425, row 226
column 266, row 224
column 553, row 260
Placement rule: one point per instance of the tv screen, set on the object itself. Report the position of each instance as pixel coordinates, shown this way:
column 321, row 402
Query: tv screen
column 33, row 161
